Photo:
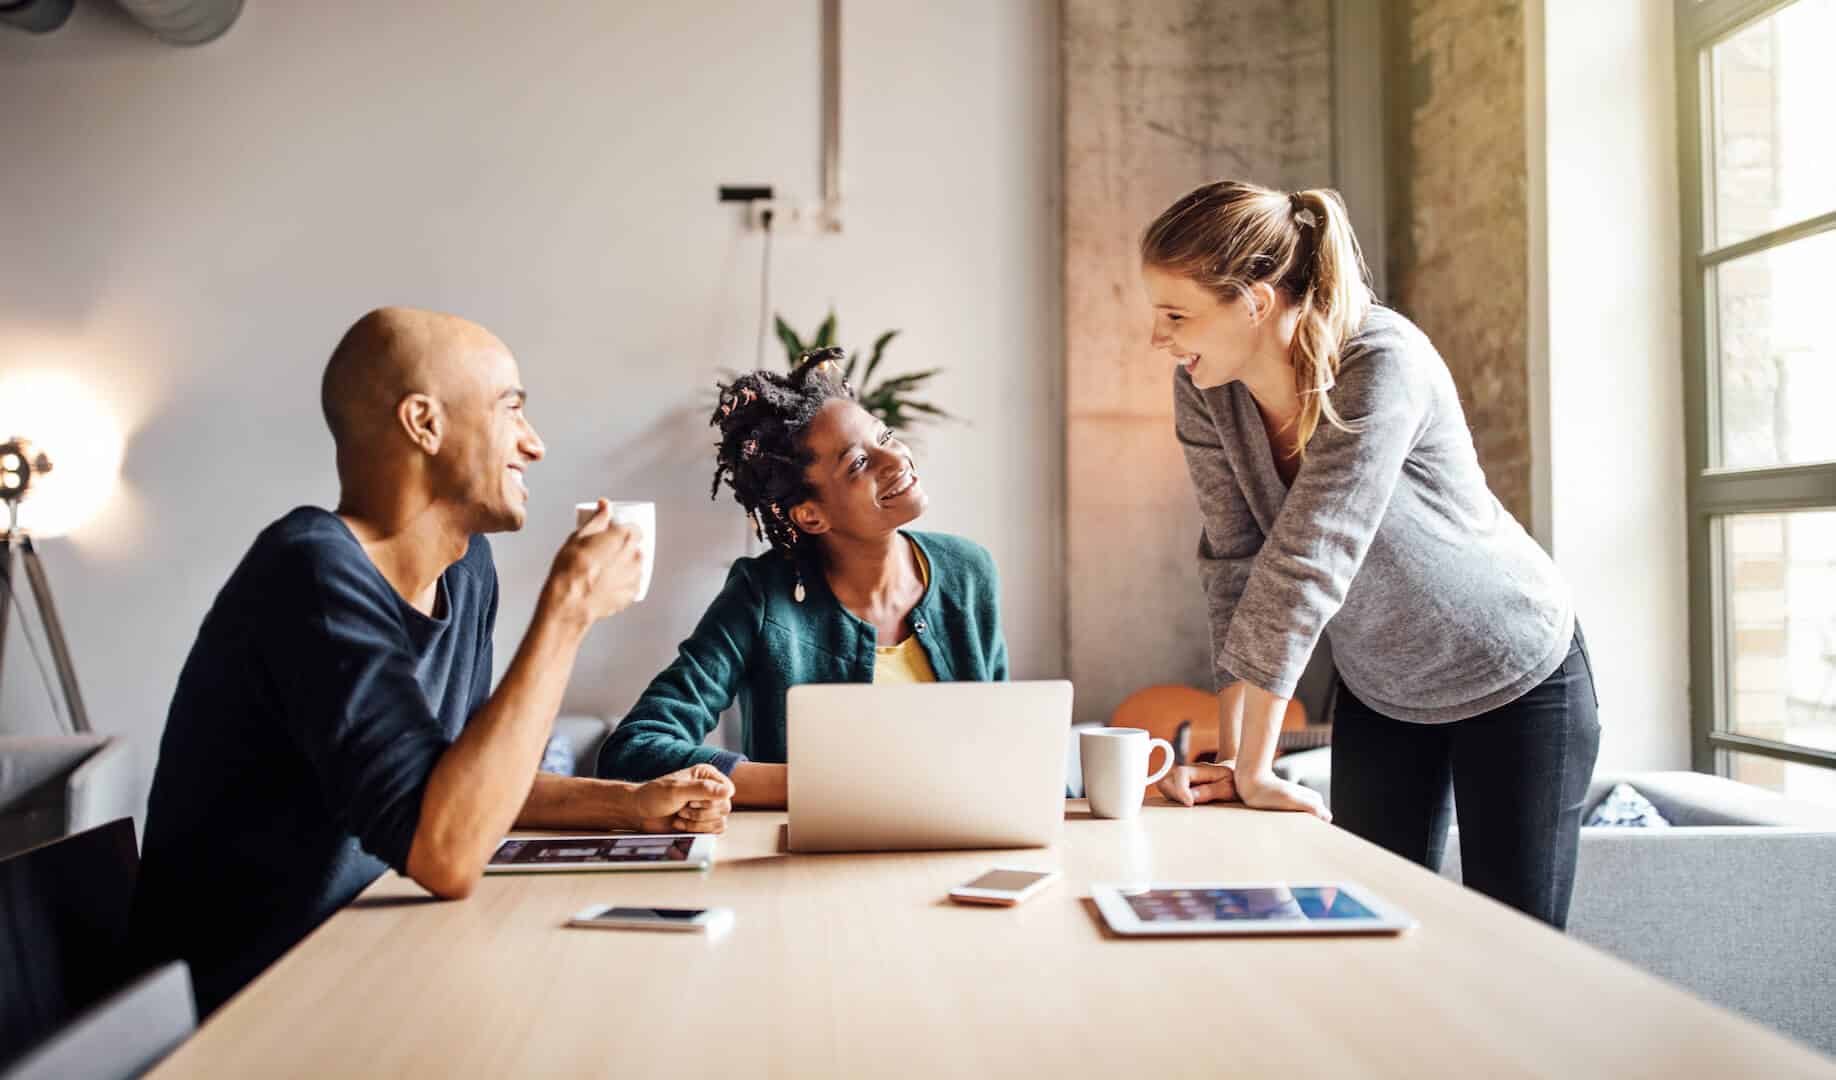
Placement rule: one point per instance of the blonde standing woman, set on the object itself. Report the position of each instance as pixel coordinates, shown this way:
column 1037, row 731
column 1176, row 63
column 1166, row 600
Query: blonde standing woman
column 1341, row 495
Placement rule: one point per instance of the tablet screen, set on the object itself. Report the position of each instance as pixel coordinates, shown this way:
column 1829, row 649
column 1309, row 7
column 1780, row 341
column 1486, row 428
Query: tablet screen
column 1308, row 903
column 592, row 850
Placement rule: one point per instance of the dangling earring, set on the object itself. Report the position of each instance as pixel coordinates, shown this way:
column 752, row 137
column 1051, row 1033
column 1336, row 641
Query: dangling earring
column 790, row 533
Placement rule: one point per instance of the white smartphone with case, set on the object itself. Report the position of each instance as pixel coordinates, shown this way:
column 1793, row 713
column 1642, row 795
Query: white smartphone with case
column 1004, row 886
column 620, row 917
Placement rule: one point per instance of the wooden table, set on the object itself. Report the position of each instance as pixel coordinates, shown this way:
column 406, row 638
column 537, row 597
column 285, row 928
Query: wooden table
column 857, row 965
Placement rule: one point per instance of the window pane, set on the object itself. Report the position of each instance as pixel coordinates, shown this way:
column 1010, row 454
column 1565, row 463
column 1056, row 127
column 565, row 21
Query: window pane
column 1775, row 162
column 1776, row 354
column 1812, row 783
column 1780, row 572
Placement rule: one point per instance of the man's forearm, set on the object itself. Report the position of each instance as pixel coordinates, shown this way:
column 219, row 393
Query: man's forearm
column 761, row 785
column 573, row 802
column 483, row 780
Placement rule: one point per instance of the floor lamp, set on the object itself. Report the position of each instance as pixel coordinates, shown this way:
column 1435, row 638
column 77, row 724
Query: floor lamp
column 20, row 464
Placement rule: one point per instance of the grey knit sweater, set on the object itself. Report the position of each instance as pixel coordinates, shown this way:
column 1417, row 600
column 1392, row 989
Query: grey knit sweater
column 1439, row 605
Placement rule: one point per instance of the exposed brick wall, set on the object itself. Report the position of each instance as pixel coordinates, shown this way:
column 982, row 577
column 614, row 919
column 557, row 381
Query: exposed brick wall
column 1459, row 214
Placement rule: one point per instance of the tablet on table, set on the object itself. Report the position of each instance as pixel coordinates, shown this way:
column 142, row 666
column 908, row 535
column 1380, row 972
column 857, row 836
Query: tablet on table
column 1211, row 907
column 620, row 851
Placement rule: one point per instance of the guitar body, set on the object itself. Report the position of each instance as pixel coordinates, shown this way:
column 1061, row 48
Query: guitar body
column 1188, row 718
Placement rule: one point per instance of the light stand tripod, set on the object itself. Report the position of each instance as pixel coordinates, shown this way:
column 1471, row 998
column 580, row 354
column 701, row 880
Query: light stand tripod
column 19, row 465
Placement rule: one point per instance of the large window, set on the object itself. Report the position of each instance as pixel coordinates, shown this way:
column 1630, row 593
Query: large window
column 1757, row 82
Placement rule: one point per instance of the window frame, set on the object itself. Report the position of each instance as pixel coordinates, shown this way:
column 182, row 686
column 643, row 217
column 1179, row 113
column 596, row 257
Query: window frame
column 1715, row 493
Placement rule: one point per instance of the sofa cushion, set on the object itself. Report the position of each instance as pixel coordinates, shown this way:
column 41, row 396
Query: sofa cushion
column 1624, row 808
column 35, row 768
column 1308, row 768
column 51, row 786
column 573, row 749
column 1694, row 799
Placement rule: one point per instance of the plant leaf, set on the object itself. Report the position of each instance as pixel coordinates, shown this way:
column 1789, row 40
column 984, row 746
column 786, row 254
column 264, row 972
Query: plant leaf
column 890, row 401
column 793, row 345
column 909, row 381
column 879, row 353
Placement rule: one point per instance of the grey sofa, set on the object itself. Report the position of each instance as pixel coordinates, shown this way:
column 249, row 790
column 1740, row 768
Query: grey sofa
column 577, row 738
column 1733, row 902
column 55, row 785
column 573, row 748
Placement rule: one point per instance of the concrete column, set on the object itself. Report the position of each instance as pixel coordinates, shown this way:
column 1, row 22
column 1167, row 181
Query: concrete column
column 1159, row 97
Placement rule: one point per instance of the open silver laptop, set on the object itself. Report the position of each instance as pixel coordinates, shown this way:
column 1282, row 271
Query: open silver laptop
column 927, row 766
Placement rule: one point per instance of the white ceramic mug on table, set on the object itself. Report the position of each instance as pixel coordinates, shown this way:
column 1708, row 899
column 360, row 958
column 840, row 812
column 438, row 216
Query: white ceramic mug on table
column 1116, row 768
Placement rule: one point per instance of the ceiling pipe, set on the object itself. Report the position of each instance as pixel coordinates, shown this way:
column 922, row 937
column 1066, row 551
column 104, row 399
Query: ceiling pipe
column 183, row 22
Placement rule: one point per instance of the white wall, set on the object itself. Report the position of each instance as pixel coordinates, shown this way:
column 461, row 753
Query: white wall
column 191, row 230
column 1609, row 231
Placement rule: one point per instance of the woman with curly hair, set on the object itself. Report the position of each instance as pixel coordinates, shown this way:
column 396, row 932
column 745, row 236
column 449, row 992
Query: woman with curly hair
column 846, row 593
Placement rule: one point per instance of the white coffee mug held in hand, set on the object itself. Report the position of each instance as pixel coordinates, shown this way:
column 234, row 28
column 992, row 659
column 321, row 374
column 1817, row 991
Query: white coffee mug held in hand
column 642, row 515
column 1116, row 768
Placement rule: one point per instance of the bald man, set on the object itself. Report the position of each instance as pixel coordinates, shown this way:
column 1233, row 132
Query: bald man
column 335, row 716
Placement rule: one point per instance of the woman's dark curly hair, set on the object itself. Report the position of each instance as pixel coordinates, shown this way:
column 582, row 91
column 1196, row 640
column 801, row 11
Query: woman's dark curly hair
column 762, row 417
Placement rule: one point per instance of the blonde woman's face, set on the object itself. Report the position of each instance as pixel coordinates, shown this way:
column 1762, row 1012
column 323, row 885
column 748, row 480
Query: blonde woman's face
column 1211, row 339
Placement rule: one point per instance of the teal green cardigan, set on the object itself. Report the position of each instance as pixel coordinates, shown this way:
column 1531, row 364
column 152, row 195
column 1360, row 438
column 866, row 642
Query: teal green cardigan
column 756, row 642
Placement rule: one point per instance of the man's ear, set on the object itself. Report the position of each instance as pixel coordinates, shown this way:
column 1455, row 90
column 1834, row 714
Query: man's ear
column 423, row 421
column 809, row 517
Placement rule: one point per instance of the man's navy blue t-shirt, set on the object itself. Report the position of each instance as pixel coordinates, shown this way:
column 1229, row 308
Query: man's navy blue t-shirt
column 308, row 718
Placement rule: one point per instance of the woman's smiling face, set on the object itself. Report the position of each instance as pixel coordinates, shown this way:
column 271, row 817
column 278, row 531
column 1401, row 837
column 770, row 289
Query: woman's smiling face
column 1211, row 339
column 865, row 482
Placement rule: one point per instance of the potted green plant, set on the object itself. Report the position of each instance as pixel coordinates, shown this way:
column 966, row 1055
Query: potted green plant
column 893, row 400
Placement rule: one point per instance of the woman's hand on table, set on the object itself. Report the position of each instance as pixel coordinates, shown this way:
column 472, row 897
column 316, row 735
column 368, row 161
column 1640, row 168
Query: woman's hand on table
column 1270, row 792
column 1189, row 785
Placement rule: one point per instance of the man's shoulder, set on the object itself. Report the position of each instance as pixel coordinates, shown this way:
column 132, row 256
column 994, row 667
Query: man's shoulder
column 307, row 532
column 309, row 538
column 298, row 545
column 308, row 556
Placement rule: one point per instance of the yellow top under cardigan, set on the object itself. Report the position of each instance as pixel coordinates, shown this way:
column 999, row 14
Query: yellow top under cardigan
column 905, row 662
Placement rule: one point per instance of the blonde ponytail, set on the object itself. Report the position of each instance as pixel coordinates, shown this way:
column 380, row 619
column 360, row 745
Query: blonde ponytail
column 1333, row 305
column 1230, row 235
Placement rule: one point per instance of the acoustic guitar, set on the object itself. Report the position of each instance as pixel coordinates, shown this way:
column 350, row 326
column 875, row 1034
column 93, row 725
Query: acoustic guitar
column 1188, row 718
